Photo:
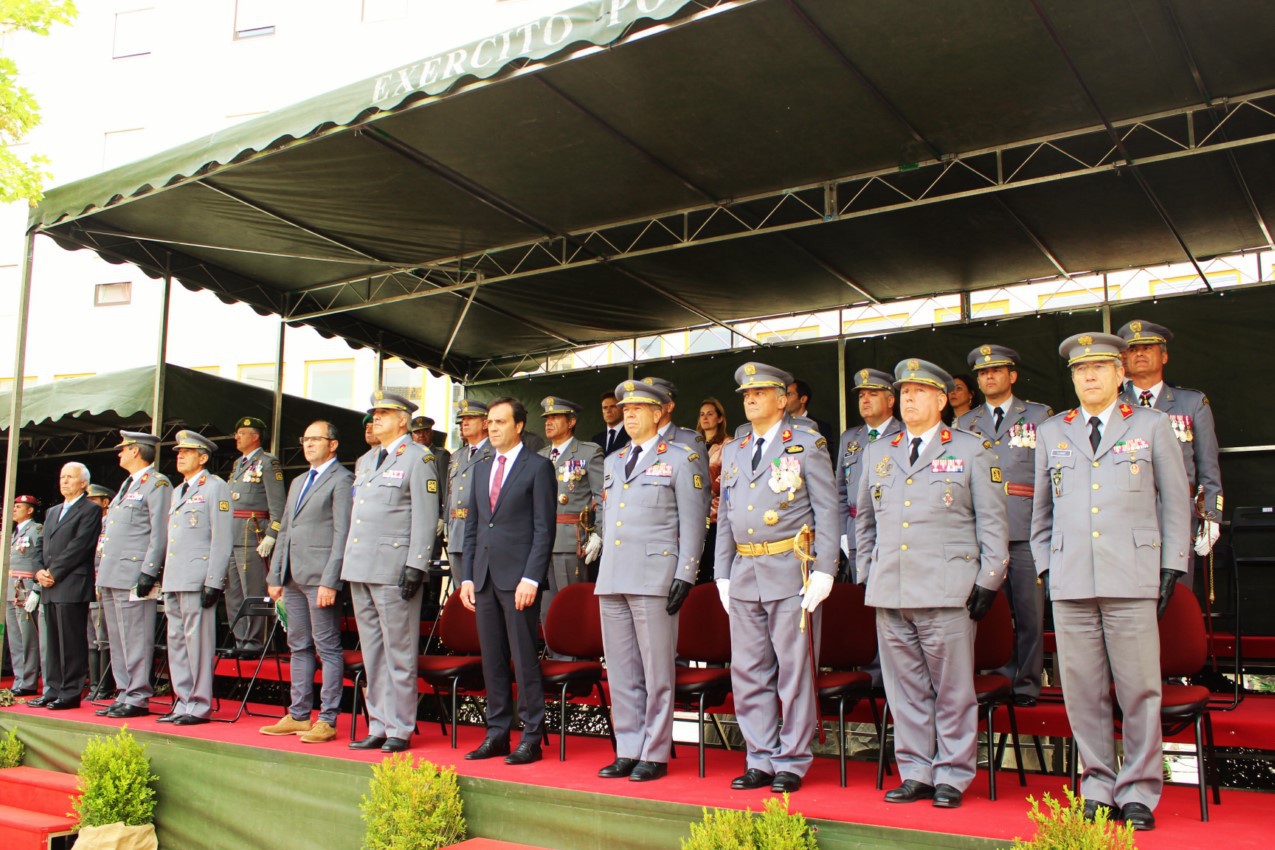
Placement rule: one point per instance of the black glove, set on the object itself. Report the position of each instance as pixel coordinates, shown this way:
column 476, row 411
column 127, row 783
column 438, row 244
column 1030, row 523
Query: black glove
column 410, row 582
column 209, row 596
column 145, row 584
column 1168, row 580
column 677, row 593
column 980, row 602
column 1043, row 581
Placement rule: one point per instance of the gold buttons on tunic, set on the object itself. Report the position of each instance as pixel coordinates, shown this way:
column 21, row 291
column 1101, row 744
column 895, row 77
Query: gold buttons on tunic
column 1097, row 534
column 904, row 547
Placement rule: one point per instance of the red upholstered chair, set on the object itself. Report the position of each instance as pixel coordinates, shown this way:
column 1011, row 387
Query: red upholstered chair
column 993, row 649
column 703, row 638
column 461, row 672
column 573, row 628
column 848, row 642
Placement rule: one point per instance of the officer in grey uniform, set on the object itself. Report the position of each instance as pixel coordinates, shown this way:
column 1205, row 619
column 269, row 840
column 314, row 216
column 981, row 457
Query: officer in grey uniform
column 99, row 644
column 1008, row 426
column 777, row 486
column 655, row 511
column 200, row 529
column 1192, row 420
column 578, row 467
column 472, row 416
column 386, row 557
column 874, row 390
column 1110, row 531
column 422, row 431
column 134, row 541
column 22, row 598
column 256, row 489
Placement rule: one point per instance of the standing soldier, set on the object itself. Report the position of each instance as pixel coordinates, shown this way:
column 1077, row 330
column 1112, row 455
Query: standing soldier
column 422, row 431
column 1110, row 531
column 472, row 416
column 99, row 643
column 933, row 545
column 22, row 613
column 133, row 547
column 657, row 503
column 200, row 533
column 875, row 391
column 256, row 488
column 777, row 487
column 1008, row 428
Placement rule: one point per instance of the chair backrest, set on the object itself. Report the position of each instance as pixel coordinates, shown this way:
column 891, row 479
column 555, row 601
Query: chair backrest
column 994, row 641
column 458, row 628
column 703, row 628
column 848, row 634
column 573, row 626
column 1183, row 643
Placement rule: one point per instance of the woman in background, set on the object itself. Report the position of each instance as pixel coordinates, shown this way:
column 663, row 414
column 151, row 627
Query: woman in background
column 712, row 426
column 962, row 398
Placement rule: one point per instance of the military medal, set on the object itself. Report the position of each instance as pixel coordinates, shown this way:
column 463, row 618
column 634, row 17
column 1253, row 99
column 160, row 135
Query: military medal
column 770, row 518
column 947, row 498
column 234, row 496
column 562, row 500
column 1057, row 476
column 194, row 520
column 852, row 448
column 885, row 467
column 876, row 493
column 1133, row 468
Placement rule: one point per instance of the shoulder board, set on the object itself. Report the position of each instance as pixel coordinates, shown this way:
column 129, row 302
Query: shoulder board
column 692, row 457
column 161, row 481
column 814, row 431
column 1204, row 399
column 1125, row 410
column 1071, row 415
column 699, row 438
column 274, row 461
column 898, row 438
column 820, row 443
column 427, row 457
column 945, row 436
column 683, row 447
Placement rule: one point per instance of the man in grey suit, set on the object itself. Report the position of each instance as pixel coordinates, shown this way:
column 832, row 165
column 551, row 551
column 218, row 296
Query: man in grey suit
column 200, row 538
column 874, row 390
column 387, row 555
column 1191, row 418
column 472, row 416
column 1008, row 426
column 306, row 574
column 933, row 547
column 133, row 547
column 1110, row 531
column 256, row 489
column 655, row 501
column 777, row 485
column 508, row 543
column 22, row 616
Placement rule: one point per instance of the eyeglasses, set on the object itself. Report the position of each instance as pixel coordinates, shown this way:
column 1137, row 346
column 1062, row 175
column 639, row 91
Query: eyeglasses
column 305, row 440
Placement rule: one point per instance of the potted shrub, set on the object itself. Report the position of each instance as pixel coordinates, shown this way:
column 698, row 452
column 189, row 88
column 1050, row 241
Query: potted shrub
column 774, row 829
column 412, row 808
column 117, row 795
column 1060, row 827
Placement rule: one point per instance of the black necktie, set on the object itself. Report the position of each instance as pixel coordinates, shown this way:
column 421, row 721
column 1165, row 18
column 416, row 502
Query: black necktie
column 1095, row 433
column 181, row 491
column 916, row 450
column 632, row 462
column 1000, row 417
column 124, row 488
column 380, row 457
column 472, row 449
column 757, row 453
column 610, row 441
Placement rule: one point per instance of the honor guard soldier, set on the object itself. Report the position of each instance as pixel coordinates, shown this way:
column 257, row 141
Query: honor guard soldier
column 875, row 392
column 200, row 538
column 777, row 518
column 21, row 610
column 422, row 431
column 472, row 417
column 1191, row 418
column 655, row 507
column 1008, row 426
column 932, row 533
column 386, row 557
column 134, row 541
column 99, row 644
column 256, row 489
column 1110, row 531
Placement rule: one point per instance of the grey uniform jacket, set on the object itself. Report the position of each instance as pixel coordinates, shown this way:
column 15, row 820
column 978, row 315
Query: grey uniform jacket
column 459, row 480
column 1097, row 525
column 26, row 556
column 752, row 511
column 1191, row 418
column 311, row 547
column 135, row 536
column 1013, row 448
column 693, row 440
column 200, row 529
column 653, row 522
column 579, row 474
column 256, row 484
column 394, row 517
column 929, row 531
column 849, row 469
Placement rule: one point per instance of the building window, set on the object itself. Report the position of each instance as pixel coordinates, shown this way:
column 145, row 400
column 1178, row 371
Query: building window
column 112, row 294
column 258, row 375
column 383, row 10
column 6, row 384
column 254, row 18
column 134, row 33
column 398, row 377
column 330, row 381
column 209, row 370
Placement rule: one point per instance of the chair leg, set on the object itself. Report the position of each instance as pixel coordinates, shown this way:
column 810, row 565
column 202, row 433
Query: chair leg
column 702, row 698
column 356, row 685
column 885, row 724
column 876, row 721
column 455, row 708
column 1211, row 762
column 991, row 754
column 1018, row 750
column 562, row 725
column 1201, row 768
column 1040, row 754
column 841, row 736
column 1073, row 766
column 442, row 711
column 721, row 733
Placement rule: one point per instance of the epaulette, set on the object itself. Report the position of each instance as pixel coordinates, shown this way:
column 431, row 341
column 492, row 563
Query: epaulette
column 427, row 458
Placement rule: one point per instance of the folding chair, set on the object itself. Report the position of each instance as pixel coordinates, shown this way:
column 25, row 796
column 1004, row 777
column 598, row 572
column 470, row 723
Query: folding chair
column 252, row 607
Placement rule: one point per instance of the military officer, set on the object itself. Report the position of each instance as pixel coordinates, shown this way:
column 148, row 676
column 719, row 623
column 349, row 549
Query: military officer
column 99, row 644
column 1110, row 531
column 472, row 418
column 1192, row 420
column 422, row 431
column 777, row 484
column 22, row 616
column 256, row 489
column 932, row 532
column 875, row 392
column 1008, row 426
column 200, row 530
column 657, row 503
column 386, row 557
column 673, row 433
column 133, row 546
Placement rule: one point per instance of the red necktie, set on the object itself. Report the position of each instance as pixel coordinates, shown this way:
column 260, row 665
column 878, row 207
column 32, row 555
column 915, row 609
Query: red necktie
column 497, row 479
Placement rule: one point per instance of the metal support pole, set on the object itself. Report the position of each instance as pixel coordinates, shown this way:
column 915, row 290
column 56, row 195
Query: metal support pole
column 1106, row 318
column 841, row 380
column 379, row 378
column 15, row 412
column 161, row 364
column 276, row 417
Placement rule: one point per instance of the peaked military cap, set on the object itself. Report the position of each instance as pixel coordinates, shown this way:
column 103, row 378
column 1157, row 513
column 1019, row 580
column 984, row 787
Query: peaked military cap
column 551, row 404
column 914, row 371
column 97, row 491
column 381, row 400
column 639, row 392
column 664, row 384
column 251, row 422
column 991, row 356
column 1139, row 332
column 1079, row 348
column 137, row 438
column 467, row 407
column 421, row 423
column 759, row 376
column 192, row 440
column 872, row 379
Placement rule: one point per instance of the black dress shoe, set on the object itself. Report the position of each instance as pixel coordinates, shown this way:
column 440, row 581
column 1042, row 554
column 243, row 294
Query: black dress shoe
column 909, row 792
column 618, row 769
column 646, row 771
column 946, row 797
column 25, row 692
column 40, row 702
column 395, row 745
column 1139, row 815
column 124, row 711
column 248, row 650
column 1024, row 700
column 525, row 754
column 752, row 778
column 490, row 748
column 190, row 720
column 102, row 712
column 1092, row 807
column 371, row 742
column 786, row 783
column 168, row 718
column 62, row 704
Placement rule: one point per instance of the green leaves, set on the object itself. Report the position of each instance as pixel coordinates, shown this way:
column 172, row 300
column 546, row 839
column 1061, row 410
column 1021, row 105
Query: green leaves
column 730, row 829
column 116, row 782
column 1061, row 827
column 11, row 750
column 412, row 808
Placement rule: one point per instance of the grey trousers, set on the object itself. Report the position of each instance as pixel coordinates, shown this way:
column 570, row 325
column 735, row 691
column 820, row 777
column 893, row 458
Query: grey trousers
column 927, row 666
column 1101, row 640
column 246, row 577
column 1027, row 600
column 640, row 640
column 23, row 632
column 192, row 636
column 131, row 628
column 312, row 630
column 389, row 632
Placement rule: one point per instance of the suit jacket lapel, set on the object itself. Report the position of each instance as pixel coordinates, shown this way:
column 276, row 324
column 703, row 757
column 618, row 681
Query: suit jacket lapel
column 1079, row 432
column 1115, row 430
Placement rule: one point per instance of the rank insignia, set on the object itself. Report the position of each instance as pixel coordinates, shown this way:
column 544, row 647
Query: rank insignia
column 786, row 435
column 661, row 448
column 945, row 436
column 431, row 486
column 794, row 450
column 898, row 438
column 820, row 443
column 223, row 506
column 996, row 475
column 275, row 526
column 1125, row 410
column 698, row 481
column 202, row 479
column 402, row 448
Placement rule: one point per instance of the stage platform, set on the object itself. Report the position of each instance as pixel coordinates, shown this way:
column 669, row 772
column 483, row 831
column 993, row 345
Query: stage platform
column 225, row 785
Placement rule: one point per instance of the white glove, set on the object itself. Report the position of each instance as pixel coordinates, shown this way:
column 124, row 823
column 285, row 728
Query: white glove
column 723, row 590
column 33, row 602
column 1206, row 537
column 817, row 590
column 441, row 528
column 845, row 545
column 265, row 547
column 592, row 548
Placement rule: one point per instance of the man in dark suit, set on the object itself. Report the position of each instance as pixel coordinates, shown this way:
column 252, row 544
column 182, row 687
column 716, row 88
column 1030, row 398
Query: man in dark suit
column 70, row 538
column 613, row 437
column 799, row 396
column 508, row 544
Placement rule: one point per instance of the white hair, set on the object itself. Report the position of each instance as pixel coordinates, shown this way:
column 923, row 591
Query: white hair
column 84, row 470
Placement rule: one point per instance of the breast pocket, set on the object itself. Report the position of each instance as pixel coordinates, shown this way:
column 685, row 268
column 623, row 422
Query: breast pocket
column 655, row 491
column 1132, row 472
column 1062, row 474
